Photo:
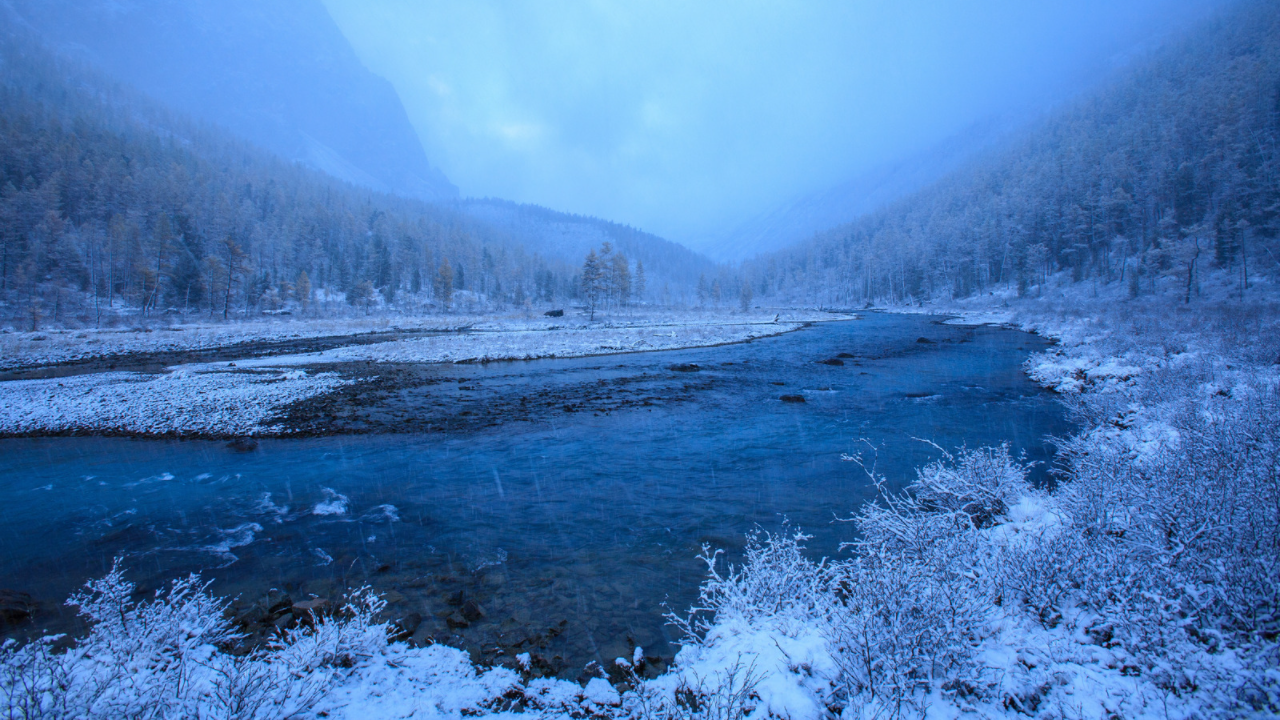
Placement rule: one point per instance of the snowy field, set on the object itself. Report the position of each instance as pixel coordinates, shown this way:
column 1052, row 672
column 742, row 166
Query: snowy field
column 49, row 347
column 241, row 396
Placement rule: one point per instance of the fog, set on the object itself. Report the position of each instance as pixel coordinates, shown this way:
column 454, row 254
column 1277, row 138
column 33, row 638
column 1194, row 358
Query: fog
column 684, row 118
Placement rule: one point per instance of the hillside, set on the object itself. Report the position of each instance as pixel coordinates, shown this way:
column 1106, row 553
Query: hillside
column 806, row 215
column 672, row 269
column 278, row 73
column 1163, row 175
column 110, row 203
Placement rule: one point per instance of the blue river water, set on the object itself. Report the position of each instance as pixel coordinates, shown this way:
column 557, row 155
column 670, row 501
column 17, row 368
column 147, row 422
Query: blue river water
column 581, row 524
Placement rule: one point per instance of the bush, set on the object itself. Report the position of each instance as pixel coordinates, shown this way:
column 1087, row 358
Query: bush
column 162, row 659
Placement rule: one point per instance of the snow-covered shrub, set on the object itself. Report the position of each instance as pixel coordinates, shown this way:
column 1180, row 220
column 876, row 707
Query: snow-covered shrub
column 1193, row 509
column 902, row 630
column 912, row 606
column 775, row 579
column 163, row 658
column 756, row 642
column 950, row 499
column 728, row 693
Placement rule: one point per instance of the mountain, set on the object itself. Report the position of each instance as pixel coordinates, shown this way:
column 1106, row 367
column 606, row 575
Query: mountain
column 803, row 216
column 1168, row 171
column 276, row 72
column 113, row 206
column 568, row 238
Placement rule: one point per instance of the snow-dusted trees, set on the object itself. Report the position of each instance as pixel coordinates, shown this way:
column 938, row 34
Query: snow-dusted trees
column 639, row 284
column 593, row 282
column 444, row 283
column 110, row 204
column 1166, row 173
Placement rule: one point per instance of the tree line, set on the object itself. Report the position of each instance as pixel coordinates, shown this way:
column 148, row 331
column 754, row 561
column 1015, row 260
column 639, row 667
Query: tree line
column 112, row 206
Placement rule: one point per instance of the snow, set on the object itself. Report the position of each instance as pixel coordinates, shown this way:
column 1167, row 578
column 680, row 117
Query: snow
column 187, row 402
column 52, row 346
column 973, row 595
column 241, row 397
column 497, row 345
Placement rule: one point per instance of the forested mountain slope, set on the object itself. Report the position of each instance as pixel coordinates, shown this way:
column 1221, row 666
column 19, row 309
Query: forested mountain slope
column 109, row 200
column 1167, row 173
column 672, row 270
column 806, row 215
column 276, row 72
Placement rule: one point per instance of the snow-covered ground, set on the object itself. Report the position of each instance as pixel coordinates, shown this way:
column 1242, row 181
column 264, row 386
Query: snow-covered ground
column 1143, row 586
column 487, row 344
column 241, row 396
column 48, row 347
column 209, row 403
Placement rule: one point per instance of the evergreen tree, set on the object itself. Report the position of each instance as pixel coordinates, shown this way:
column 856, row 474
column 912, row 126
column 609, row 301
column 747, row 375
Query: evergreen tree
column 592, row 280
column 302, row 290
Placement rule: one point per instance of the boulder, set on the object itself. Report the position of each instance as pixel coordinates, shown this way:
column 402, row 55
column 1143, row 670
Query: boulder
column 472, row 611
column 318, row 606
column 554, row 313
column 405, row 627
column 685, row 367
column 15, row 606
column 792, row 398
column 832, row 361
column 423, row 636
column 925, row 341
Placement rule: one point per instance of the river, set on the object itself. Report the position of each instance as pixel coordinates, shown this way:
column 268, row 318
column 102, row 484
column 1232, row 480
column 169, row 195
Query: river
column 562, row 534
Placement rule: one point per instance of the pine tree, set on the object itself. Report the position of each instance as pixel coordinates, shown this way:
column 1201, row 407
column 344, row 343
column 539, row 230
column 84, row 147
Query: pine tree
column 638, row 286
column 592, row 281
column 302, row 289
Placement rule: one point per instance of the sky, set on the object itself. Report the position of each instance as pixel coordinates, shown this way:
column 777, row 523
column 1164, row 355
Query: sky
column 686, row 117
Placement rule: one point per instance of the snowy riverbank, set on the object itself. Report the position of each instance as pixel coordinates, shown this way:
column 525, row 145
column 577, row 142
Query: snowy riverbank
column 243, row 394
column 1142, row 586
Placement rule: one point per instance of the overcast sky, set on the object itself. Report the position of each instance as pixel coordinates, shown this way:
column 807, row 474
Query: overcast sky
column 684, row 117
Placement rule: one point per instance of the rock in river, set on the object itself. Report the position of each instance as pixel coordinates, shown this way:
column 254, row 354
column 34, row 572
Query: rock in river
column 15, row 606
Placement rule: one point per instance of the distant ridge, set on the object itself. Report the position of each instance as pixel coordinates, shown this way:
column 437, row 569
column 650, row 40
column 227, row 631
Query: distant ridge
column 279, row 73
column 802, row 217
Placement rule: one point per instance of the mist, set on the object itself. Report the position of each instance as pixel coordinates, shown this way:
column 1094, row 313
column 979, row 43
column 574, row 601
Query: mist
column 683, row 118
